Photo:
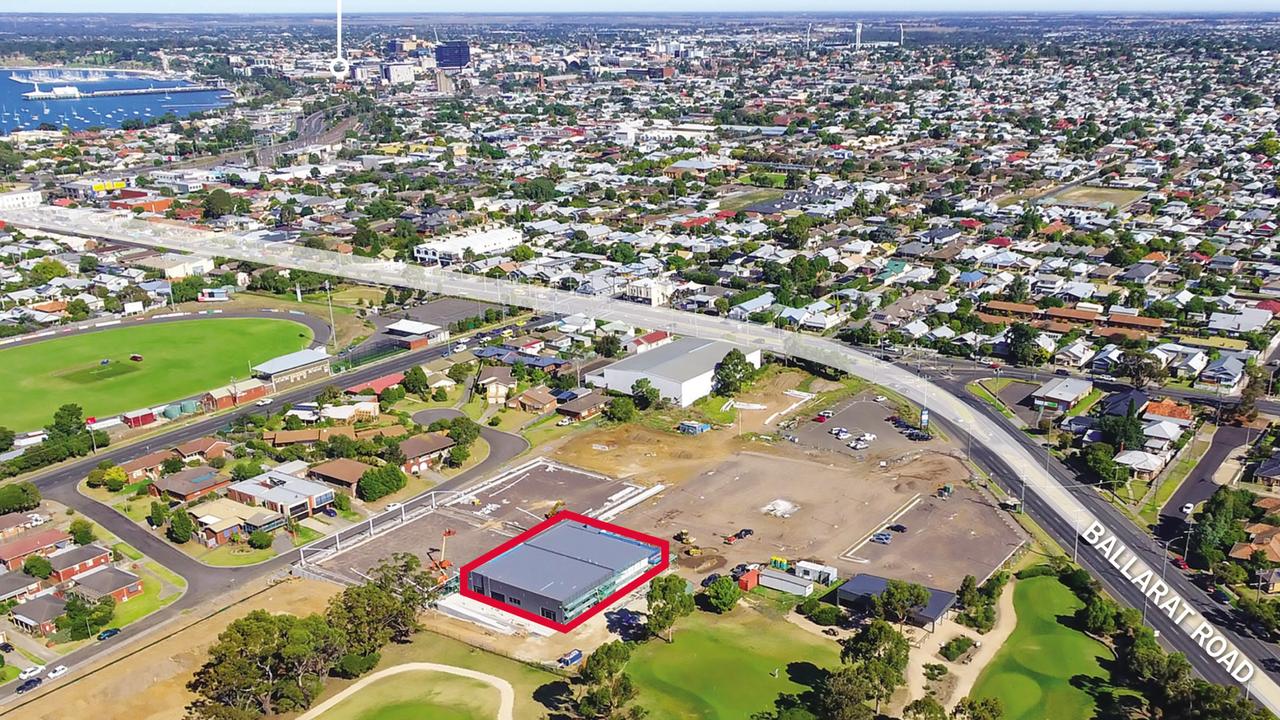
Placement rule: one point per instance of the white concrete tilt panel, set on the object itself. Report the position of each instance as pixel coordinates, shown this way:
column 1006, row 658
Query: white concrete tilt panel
column 128, row 229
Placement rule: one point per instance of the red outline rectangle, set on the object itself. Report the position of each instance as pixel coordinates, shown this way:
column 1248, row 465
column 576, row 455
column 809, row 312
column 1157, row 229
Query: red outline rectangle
column 563, row 516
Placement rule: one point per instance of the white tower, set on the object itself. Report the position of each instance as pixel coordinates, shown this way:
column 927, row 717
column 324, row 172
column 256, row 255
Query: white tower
column 902, row 35
column 857, row 37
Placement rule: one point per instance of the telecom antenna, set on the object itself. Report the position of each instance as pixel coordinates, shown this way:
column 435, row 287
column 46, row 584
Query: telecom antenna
column 339, row 67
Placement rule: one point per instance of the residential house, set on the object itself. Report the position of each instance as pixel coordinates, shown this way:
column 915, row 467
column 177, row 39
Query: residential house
column 584, row 406
column 73, row 561
column 420, row 451
column 280, row 492
column 17, row 586
column 188, row 484
column 37, row 616
column 221, row 520
column 203, row 449
column 1061, row 393
column 1142, row 464
column 342, row 472
column 497, row 383
column 120, row 585
column 535, row 400
column 33, row 542
column 146, row 467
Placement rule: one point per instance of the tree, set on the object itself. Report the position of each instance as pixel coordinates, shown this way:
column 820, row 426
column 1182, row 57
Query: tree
column 968, row 593
column 81, row 531
column 880, row 653
column 68, row 421
column 115, row 478
column 925, row 708
column 18, row 497
column 1098, row 616
column 844, row 695
column 159, row 514
column 264, row 664
column 732, row 373
column 380, row 481
column 260, row 540
column 608, row 345
column 1018, row 290
column 218, row 203
column 1123, row 431
column 458, row 454
column 6, row 438
column 723, row 594
column 81, row 619
column 1099, row 457
column 174, row 464
column 608, row 689
column 37, row 566
column 1023, row 349
column 620, row 409
column 669, row 600
column 415, row 381
column 644, row 393
column 365, row 614
column 899, row 599
column 522, row 253
column 245, row 470
column 180, row 527
column 1141, row 368
column 459, row 372
column 973, row 709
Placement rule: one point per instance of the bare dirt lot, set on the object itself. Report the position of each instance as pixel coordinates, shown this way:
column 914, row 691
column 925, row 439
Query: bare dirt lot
column 645, row 455
column 805, row 509
column 151, row 684
column 493, row 511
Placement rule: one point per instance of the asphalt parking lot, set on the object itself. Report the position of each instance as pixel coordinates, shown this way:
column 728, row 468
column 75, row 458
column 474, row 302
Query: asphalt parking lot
column 446, row 311
column 489, row 512
column 859, row 415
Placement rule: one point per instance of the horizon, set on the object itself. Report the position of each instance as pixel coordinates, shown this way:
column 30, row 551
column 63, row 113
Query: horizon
column 322, row 8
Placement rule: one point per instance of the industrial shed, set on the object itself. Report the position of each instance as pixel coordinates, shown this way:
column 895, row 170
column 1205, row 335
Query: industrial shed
column 681, row 371
column 564, row 570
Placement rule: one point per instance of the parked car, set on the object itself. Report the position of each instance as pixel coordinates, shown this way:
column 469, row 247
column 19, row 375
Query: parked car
column 882, row 539
column 394, row 506
column 58, row 672
column 108, row 633
column 827, row 414
column 329, row 512
column 1188, row 508
column 820, row 418
column 706, row 581
column 29, row 685
column 880, row 398
column 1062, row 371
column 898, row 528
column 460, row 347
column 1180, row 563
column 564, row 421
column 744, row 533
column 6, row 647
column 33, row 671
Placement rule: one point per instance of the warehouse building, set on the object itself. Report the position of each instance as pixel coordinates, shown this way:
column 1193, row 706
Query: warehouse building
column 564, row 570
column 681, row 371
column 293, row 368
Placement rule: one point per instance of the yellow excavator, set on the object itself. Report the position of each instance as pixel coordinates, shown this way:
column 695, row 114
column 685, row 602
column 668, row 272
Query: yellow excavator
column 554, row 509
column 684, row 538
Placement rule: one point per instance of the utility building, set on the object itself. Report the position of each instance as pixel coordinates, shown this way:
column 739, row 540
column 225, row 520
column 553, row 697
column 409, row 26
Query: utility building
column 564, row 570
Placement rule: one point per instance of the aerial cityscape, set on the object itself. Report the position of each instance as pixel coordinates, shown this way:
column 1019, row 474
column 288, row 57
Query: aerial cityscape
column 576, row 362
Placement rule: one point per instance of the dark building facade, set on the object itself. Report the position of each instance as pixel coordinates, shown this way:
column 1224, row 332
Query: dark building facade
column 453, row 55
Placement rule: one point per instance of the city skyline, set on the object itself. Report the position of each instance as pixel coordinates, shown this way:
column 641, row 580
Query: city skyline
column 314, row 7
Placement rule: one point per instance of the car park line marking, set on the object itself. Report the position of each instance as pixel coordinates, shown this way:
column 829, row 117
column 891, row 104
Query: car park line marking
column 848, row 554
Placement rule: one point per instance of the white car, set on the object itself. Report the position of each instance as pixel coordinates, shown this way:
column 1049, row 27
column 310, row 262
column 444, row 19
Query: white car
column 58, row 672
column 33, row 671
column 881, row 398
column 394, row 506
column 264, row 402
column 460, row 347
column 1188, row 508
column 564, row 421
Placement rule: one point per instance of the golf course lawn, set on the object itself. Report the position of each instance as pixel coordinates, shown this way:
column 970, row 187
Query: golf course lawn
column 1032, row 674
column 180, row 359
column 418, row 695
column 720, row 666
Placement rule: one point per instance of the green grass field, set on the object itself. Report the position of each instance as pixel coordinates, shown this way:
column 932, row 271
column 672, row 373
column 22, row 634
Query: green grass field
column 180, row 359
column 1037, row 674
column 417, row 695
column 720, row 667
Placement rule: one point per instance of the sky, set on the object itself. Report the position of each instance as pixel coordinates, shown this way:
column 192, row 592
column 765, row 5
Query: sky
column 648, row 6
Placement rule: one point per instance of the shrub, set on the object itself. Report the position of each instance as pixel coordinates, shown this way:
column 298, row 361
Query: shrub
column 353, row 666
column 1036, row 571
column 956, row 647
column 37, row 566
column 342, row 502
column 260, row 540
column 935, row 671
column 826, row 615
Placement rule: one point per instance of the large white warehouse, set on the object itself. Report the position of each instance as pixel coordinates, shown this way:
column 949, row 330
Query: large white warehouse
column 682, row 371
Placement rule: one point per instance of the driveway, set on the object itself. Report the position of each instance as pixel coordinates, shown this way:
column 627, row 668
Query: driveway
column 1199, row 485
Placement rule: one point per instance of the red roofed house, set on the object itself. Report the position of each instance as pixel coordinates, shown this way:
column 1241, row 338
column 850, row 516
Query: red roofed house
column 1271, row 306
column 649, row 341
column 1000, row 242
column 376, row 385
column 35, row 542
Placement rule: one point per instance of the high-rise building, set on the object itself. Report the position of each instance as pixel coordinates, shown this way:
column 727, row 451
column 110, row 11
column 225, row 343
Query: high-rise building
column 453, row 55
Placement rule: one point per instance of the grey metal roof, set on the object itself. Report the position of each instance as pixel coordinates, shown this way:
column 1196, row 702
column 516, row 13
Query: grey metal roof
column 565, row 561
column 291, row 361
column 679, row 361
column 866, row 585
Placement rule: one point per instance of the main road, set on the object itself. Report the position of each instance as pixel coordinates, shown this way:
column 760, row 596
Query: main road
column 1128, row 568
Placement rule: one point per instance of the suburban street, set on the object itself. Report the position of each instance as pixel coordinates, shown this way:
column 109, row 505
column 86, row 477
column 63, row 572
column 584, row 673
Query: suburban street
column 1052, row 495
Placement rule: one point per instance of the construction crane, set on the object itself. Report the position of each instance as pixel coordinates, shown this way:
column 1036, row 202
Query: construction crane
column 444, row 564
